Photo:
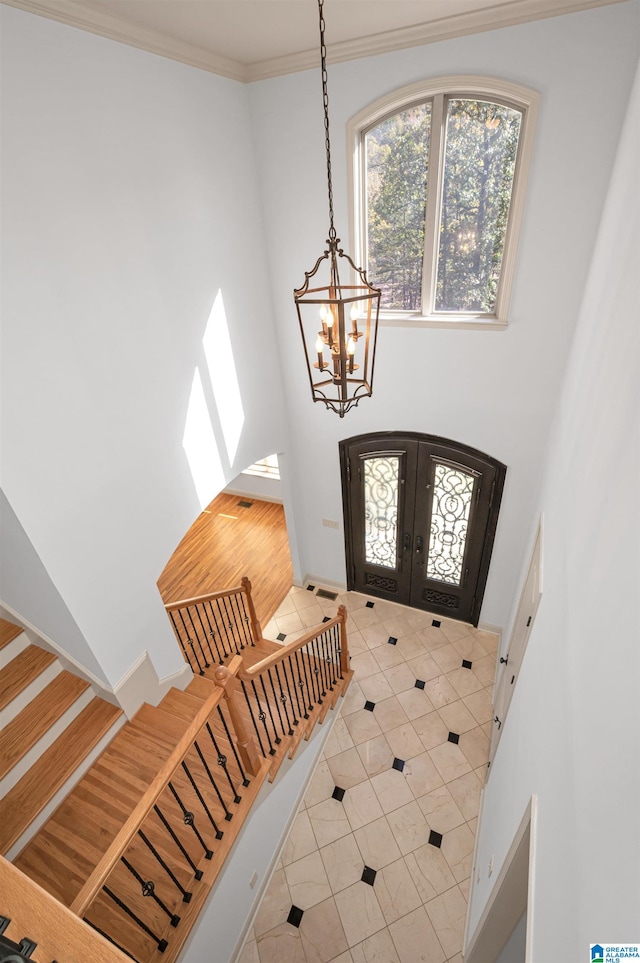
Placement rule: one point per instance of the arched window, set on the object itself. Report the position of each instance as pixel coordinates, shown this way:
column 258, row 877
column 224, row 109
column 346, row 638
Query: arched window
column 437, row 182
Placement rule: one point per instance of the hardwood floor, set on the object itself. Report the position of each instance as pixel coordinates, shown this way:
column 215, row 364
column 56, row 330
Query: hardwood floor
column 226, row 542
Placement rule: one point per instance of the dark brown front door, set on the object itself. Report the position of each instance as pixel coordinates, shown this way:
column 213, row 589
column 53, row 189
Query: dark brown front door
column 420, row 519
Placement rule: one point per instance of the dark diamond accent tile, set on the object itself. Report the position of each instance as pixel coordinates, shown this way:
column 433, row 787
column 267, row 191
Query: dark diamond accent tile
column 392, row 640
column 295, row 916
column 454, row 737
column 420, row 684
column 437, row 623
column 370, row 605
column 466, row 664
column 338, row 793
column 311, row 588
column 369, row 706
column 369, row 875
column 398, row 764
column 435, row 838
column 281, row 637
column 326, row 619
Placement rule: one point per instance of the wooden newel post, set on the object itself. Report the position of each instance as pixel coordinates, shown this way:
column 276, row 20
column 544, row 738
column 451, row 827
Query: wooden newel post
column 245, row 744
column 344, row 648
column 253, row 618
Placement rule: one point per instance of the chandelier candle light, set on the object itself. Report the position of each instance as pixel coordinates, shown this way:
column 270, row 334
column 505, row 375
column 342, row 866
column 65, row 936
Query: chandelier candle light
column 339, row 361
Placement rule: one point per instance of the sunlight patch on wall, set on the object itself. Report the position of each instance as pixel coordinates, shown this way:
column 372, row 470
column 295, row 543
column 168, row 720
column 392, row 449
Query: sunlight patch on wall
column 200, row 446
column 224, row 377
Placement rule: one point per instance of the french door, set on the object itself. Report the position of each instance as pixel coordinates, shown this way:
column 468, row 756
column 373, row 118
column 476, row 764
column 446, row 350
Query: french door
column 420, row 519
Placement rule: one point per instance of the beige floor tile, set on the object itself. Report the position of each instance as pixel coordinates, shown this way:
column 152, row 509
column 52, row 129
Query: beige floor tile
column 377, row 845
column 359, row 911
column 450, row 761
column 457, row 958
column 362, row 726
column 389, row 713
column 470, row 648
column 447, row 912
column 363, row 617
column 307, row 881
column 464, row 888
column 347, row 769
column 457, row 717
column 323, row 936
column 415, row 703
column 396, row 624
column 356, row 641
column 343, row 863
column 400, row 677
column 361, row 805
column 302, row 840
column 457, row 848
column 376, row 755
column 375, row 635
column 364, row 665
column 485, row 669
column 432, row 638
column 466, row 791
column 440, row 810
column 375, row 688
column 431, row 729
column 378, row 948
column 425, row 667
column 411, row 647
column 396, row 891
column 249, row 953
column 441, row 692
column 353, row 700
column 480, row 705
column 387, row 656
column 275, row 904
column 448, row 658
column 283, row 944
column 415, row 939
column 455, row 630
column 409, row 827
column 339, row 740
column 328, row 821
column 475, row 746
column 464, row 681
column 392, row 789
column 346, row 957
column 421, row 775
column 430, row 871
column 404, row 741
column 321, row 785
column 488, row 640
column 289, row 623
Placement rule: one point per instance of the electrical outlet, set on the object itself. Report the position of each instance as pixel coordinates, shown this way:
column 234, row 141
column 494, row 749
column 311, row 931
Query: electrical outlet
column 253, row 880
column 329, row 523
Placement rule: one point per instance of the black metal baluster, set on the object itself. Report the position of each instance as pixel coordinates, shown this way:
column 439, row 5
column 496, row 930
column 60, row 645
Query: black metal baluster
column 186, row 895
column 262, row 716
column 149, row 889
column 196, row 872
column 326, row 658
column 314, row 675
column 228, row 625
column 222, row 762
column 301, row 684
column 240, row 619
column 246, row 621
column 245, row 781
column 255, row 726
column 179, row 637
column 208, row 611
column 332, row 656
column 204, row 633
column 162, row 944
column 218, row 832
column 283, row 699
column 227, row 813
column 289, row 661
column 107, row 937
column 189, row 820
column 322, row 664
column 291, row 685
column 223, row 627
column 194, row 628
column 277, row 705
column 304, row 657
column 191, row 643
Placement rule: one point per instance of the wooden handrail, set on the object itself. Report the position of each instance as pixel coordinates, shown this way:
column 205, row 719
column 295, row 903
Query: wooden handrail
column 59, row 933
column 110, row 859
column 183, row 603
column 340, row 619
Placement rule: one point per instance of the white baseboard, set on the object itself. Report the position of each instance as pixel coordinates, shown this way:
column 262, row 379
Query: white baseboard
column 321, row 582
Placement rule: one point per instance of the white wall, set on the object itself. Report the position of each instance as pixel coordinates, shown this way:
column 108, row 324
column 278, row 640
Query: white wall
column 573, row 731
column 129, row 200
column 495, row 391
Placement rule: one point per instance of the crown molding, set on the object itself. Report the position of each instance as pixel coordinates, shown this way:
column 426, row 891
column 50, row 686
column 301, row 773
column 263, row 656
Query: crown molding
column 75, row 14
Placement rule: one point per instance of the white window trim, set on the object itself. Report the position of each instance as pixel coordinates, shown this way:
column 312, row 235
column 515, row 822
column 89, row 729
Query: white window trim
column 458, row 85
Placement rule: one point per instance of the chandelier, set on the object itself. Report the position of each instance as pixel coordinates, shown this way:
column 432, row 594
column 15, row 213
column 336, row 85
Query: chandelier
column 338, row 321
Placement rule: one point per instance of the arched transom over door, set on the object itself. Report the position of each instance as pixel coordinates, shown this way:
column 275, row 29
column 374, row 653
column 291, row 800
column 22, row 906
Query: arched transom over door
column 420, row 520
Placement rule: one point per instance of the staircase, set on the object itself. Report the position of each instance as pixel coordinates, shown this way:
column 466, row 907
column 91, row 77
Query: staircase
column 136, row 843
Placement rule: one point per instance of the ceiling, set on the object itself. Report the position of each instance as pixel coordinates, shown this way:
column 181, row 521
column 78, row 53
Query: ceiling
column 250, row 40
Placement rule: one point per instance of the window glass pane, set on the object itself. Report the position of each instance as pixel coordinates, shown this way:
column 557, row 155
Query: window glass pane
column 397, row 152
column 481, row 145
column 452, row 492
column 381, row 509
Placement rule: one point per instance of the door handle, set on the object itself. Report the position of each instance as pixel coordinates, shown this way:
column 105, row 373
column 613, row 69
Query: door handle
column 419, row 545
column 406, row 542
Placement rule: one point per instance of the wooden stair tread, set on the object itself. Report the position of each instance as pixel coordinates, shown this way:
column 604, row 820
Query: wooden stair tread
column 24, row 731
column 21, row 672
column 184, row 705
column 8, row 632
column 200, row 687
column 30, row 795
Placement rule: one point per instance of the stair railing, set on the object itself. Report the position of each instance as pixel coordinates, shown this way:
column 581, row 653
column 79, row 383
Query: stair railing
column 211, row 628
column 287, row 691
column 162, row 863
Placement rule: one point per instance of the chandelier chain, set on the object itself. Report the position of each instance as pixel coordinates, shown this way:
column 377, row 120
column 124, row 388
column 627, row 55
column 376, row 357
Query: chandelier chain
column 325, row 101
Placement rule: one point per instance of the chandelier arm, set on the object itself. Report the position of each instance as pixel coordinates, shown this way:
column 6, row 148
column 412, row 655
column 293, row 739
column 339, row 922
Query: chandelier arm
column 325, row 103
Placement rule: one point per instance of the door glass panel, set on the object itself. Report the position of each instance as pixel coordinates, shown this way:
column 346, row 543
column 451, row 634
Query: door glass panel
column 381, row 509
column 452, row 493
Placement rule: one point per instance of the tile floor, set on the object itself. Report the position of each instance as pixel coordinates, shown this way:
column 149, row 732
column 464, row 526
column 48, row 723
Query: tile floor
column 376, row 868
